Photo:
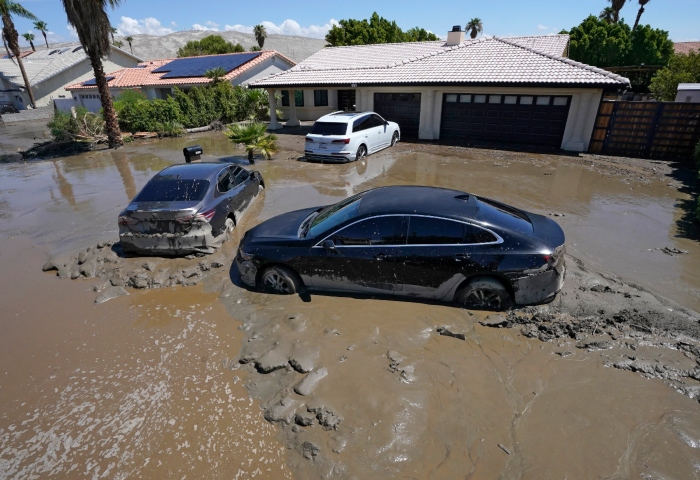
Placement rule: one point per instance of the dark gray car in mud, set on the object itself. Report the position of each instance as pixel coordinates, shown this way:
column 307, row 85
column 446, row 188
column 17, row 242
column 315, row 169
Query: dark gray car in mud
column 187, row 209
column 413, row 241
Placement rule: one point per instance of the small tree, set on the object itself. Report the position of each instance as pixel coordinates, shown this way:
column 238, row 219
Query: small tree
column 681, row 69
column 476, row 27
column 255, row 48
column 129, row 40
column 209, row 45
column 43, row 28
column 118, row 44
column 30, row 38
column 216, row 74
column 254, row 137
column 260, row 34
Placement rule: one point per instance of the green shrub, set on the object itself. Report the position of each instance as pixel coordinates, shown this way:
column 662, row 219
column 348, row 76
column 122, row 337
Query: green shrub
column 83, row 127
column 146, row 115
column 62, row 127
column 170, row 129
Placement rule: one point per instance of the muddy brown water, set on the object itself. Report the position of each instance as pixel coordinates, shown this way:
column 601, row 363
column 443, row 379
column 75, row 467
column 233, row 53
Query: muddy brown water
column 144, row 385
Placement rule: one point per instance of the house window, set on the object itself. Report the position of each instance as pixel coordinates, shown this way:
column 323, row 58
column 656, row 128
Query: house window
column 542, row 100
column 479, row 98
column 465, row 99
column 510, row 100
column 451, row 98
column 298, row 98
column 494, row 99
column 560, row 101
column 320, row 98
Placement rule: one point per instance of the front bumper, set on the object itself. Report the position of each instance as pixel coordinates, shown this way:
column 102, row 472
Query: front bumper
column 540, row 287
column 247, row 270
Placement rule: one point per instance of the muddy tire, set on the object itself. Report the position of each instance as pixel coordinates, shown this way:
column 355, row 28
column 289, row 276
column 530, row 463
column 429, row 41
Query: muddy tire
column 361, row 153
column 229, row 225
column 484, row 294
column 395, row 138
column 280, row 280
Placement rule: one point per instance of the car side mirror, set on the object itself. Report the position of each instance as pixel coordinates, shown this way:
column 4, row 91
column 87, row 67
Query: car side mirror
column 329, row 245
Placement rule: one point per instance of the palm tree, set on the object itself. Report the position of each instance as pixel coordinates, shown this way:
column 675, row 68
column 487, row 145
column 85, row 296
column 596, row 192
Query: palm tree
column 112, row 31
column 616, row 5
column 255, row 48
column 475, row 26
column 254, row 137
column 129, row 40
column 30, row 38
column 92, row 25
column 118, row 44
column 607, row 15
column 260, row 34
column 642, row 3
column 216, row 74
column 43, row 28
column 11, row 37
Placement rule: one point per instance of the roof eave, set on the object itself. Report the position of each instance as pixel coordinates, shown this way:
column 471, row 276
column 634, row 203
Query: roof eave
column 604, row 85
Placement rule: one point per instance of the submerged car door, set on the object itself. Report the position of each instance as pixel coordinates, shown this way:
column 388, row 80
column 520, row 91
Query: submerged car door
column 365, row 130
column 382, row 129
column 440, row 253
column 362, row 257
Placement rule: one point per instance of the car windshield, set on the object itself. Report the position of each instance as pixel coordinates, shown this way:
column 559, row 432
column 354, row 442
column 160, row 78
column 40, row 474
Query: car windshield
column 329, row 128
column 168, row 189
column 334, row 215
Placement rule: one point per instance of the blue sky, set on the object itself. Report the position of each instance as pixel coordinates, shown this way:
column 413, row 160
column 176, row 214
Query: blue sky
column 313, row 18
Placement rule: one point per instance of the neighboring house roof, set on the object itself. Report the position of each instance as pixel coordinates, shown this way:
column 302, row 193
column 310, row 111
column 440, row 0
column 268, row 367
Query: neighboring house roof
column 486, row 61
column 686, row 47
column 550, row 44
column 143, row 76
column 689, row 86
column 46, row 63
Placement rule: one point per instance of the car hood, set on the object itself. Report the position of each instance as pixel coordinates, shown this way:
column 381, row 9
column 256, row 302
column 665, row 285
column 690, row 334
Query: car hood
column 282, row 227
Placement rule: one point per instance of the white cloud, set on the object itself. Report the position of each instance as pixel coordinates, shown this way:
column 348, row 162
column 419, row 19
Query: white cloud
column 288, row 27
column 542, row 27
column 72, row 33
column 149, row 26
column 207, row 27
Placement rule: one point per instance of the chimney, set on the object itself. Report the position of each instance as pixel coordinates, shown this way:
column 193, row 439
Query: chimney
column 455, row 37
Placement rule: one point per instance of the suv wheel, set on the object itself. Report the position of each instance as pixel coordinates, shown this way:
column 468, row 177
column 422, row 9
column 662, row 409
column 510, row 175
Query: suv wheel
column 361, row 153
column 395, row 138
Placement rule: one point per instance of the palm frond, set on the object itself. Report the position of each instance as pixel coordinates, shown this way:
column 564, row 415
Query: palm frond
column 14, row 8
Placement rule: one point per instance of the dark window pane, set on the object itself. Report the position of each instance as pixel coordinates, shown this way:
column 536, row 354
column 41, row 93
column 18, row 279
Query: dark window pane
column 329, row 128
column 285, row 98
column 334, row 215
column 165, row 189
column 321, row 98
column 477, row 235
column 377, row 121
column 434, row 231
column 374, row 231
column 362, row 124
column 299, row 98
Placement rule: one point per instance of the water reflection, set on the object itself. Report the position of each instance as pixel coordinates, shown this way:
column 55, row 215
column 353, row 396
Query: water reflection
column 121, row 161
column 64, row 185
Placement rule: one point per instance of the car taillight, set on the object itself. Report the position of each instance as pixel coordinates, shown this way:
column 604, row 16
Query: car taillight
column 206, row 216
column 344, row 140
column 309, row 139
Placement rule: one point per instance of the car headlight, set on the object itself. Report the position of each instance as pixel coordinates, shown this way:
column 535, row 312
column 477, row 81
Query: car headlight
column 245, row 255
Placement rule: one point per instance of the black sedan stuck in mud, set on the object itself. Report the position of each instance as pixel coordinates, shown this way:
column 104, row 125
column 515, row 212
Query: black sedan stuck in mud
column 187, row 209
column 413, row 241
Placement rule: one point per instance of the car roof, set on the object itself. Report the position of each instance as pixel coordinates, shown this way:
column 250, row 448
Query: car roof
column 340, row 117
column 192, row 171
column 420, row 200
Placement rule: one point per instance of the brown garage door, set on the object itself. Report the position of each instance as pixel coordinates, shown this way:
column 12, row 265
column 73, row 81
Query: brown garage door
column 402, row 108
column 525, row 119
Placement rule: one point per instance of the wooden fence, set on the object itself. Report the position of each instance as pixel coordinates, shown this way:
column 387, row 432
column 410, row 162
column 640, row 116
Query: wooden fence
column 659, row 130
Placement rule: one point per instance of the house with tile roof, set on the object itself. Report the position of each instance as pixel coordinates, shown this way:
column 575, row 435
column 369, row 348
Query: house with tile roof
column 518, row 89
column 686, row 47
column 158, row 78
column 50, row 70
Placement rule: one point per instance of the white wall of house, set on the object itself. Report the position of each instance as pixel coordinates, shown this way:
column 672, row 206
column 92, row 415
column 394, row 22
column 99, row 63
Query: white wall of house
column 579, row 126
column 688, row 92
column 310, row 111
column 269, row 67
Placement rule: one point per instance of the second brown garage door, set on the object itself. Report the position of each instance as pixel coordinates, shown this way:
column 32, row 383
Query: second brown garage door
column 525, row 119
column 402, row 108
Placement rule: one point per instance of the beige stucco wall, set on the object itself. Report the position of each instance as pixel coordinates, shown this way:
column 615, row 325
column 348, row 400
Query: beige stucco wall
column 579, row 125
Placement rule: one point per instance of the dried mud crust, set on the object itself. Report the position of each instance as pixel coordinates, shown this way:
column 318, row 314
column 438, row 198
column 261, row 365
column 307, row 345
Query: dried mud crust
column 118, row 272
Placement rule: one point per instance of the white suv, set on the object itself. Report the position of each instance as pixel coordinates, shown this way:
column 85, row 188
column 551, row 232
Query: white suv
column 348, row 136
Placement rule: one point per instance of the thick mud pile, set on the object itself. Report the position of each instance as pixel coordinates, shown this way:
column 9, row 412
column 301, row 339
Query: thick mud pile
column 365, row 387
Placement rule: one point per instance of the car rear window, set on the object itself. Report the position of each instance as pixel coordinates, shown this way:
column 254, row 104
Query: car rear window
column 329, row 128
column 504, row 216
column 173, row 190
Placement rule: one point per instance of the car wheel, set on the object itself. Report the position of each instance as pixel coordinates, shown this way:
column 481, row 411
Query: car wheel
column 361, row 153
column 395, row 138
column 280, row 280
column 484, row 294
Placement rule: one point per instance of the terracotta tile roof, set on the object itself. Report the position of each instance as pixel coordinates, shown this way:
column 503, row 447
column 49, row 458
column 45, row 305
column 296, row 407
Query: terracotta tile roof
column 143, row 76
column 483, row 61
column 686, row 47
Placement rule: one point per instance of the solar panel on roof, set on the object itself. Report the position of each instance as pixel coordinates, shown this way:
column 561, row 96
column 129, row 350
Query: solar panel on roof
column 63, row 50
column 77, row 48
column 51, row 53
column 94, row 82
column 198, row 66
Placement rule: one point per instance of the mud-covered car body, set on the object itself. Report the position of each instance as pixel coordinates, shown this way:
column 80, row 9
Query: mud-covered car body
column 187, row 209
column 414, row 241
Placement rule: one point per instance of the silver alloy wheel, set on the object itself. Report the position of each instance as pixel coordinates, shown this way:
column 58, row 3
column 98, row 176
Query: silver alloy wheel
column 274, row 281
column 484, row 299
column 394, row 139
column 361, row 152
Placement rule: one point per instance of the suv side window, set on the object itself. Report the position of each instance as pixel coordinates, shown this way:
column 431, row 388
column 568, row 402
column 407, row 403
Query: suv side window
column 372, row 231
column 434, row 231
column 362, row 124
column 377, row 121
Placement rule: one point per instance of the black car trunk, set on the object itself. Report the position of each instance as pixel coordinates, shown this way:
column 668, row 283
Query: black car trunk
column 156, row 217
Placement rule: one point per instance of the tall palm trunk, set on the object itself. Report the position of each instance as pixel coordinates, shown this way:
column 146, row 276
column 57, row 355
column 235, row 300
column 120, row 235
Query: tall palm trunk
column 114, row 135
column 640, row 12
column 12, row 38
column 45, row 39
column 32, row 44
